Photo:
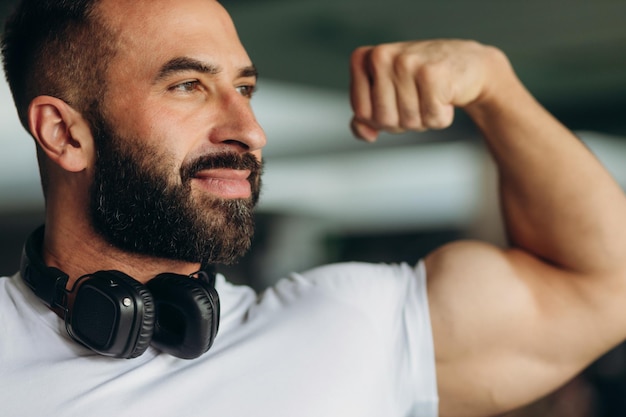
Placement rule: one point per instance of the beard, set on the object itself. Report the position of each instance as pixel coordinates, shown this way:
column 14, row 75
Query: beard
column 142, row 204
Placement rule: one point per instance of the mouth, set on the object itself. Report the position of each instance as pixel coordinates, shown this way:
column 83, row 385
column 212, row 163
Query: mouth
column 225, row 183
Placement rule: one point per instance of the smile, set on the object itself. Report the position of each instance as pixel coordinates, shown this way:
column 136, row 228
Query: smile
column 225, row 182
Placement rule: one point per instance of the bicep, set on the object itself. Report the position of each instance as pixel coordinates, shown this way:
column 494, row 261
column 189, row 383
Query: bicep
column 507, row 327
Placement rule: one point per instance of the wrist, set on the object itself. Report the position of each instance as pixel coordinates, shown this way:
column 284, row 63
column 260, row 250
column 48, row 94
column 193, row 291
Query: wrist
column 501, row 88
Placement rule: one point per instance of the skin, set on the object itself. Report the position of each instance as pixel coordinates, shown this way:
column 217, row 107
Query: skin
column 509, row 325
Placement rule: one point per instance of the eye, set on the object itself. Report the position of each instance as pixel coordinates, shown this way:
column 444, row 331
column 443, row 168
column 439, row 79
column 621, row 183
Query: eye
column 186, row 87
column 246, row 90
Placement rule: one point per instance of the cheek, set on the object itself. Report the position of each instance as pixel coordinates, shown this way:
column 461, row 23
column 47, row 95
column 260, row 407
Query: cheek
column 144, row 115
column 179, row 124
column 165, row 131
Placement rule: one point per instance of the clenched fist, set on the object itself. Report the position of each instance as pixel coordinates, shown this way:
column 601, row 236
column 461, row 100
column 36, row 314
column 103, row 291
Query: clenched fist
column 416, row 85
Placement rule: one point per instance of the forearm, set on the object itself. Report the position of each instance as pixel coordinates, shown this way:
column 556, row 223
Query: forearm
column 558, row 201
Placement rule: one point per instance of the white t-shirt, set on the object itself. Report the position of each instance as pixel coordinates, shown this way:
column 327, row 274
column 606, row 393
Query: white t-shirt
column 340, row 340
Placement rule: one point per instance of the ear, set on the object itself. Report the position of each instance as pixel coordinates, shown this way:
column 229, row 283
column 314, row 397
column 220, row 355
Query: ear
column 61, row 132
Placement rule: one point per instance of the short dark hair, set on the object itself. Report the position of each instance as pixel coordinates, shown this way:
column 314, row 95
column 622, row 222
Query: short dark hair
column 59, row 48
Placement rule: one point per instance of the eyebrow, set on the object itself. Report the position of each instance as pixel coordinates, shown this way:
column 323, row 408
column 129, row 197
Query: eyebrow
column 182, row 64
column 249, row 71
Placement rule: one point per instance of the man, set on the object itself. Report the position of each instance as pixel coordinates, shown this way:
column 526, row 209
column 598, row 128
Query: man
column 150, row 159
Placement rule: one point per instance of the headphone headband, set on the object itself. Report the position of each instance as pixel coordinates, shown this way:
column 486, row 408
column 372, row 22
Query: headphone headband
column 46, row 282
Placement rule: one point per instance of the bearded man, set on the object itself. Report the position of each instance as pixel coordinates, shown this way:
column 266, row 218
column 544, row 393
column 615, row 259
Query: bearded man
column 150, row 158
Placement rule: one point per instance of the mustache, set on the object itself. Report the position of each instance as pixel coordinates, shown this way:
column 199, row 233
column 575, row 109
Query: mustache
column 230, row 160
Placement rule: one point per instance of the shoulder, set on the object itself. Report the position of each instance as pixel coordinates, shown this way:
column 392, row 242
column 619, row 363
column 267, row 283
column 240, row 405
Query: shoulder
column 379, row 282
column 360, row 274
column 380, row 295
column 18, row 304
column 385, row 294
column 10, row 292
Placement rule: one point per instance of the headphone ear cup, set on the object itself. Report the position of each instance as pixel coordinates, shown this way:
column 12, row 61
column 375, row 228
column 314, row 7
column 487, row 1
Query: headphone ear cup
column 112, row 314
column 146, row 326
column 187, row 315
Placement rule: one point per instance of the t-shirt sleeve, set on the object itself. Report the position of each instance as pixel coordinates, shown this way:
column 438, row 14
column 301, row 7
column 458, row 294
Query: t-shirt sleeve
column 394, row 300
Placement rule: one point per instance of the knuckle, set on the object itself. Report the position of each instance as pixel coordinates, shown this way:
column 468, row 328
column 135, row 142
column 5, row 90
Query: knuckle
column 404, row 63
column 381, row 55
column 385, row 119
column 411, row 122
column 361, row 112
column 437, row 119
column 430, row 73
column 362, row 109
column 436, row 123
column 358, row 55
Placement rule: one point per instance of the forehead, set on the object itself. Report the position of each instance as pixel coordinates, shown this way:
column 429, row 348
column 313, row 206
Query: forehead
column 151, row 32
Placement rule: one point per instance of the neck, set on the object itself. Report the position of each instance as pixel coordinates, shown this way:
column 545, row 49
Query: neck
column 80, row 250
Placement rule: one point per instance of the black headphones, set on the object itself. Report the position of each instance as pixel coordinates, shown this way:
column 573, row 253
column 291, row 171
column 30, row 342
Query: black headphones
column 114, row 315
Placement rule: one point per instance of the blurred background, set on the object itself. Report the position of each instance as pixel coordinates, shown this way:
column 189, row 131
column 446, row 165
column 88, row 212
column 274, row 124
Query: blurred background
column 328, row 197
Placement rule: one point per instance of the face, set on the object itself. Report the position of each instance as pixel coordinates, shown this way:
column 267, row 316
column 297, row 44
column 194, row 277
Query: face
column 179, row 149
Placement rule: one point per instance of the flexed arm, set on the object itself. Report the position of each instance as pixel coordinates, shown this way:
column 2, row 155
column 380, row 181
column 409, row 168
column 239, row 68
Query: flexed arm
column 509, row 325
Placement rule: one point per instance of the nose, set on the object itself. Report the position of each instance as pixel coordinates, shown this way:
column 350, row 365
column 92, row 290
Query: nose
column 238, row 126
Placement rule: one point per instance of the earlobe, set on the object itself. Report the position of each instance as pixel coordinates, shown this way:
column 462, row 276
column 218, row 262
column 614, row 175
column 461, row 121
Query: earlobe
column 61, row 132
